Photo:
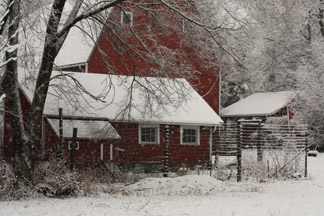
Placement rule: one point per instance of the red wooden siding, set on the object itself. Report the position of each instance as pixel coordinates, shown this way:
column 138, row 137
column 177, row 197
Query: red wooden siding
column 180, row 55
column 89, row 150
column 133, row 152
column 125, row 151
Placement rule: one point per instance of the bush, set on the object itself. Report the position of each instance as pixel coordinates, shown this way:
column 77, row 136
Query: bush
column 10, row 187
column 93, row 175
column 277, row 163
column 53, row 178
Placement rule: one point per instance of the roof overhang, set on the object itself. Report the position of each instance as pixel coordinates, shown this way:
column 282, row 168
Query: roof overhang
column 87, row 128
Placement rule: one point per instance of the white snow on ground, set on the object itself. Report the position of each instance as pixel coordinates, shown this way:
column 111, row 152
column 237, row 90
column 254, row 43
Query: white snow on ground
column 192, row 195
column 186, row 185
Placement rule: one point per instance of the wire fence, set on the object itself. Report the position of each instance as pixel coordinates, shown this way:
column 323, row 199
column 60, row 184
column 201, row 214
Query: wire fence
column 246, row 150
column 252, row 149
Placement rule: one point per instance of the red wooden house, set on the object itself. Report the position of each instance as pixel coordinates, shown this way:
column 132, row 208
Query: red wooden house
column 122, row 127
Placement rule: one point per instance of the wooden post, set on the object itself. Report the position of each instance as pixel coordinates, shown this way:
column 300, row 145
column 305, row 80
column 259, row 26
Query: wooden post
column 276, row 171
column 306, row 155
column 217, row 147
column 166, row 151
column 268, row 168
column 73, row 145
column 239, row 152
column 210, row 163
column 259, row 144
column 60, row 143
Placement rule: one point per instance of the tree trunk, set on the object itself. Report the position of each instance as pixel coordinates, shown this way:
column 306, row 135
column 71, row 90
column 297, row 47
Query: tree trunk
column 53, row 43
column 11, row 87
column 34, row 123
column 321, row 16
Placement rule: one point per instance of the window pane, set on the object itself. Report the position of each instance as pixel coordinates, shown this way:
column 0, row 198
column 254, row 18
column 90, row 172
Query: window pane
column 148, row 135
column 189, row 135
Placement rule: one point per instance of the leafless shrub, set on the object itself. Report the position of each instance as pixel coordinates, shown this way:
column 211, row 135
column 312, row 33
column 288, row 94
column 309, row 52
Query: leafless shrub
column 10, row 187
column 95, row 177
column 53, row 178
column 254, row 170
column 277, row 163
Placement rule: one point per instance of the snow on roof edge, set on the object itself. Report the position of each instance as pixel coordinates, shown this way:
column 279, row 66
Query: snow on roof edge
column 247, row 107
column 251, row 115
column 169, row 121
column 114, row 134
column 134, row 121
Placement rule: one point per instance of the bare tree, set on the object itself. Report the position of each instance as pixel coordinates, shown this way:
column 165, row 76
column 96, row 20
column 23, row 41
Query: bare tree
column 271, row 46
column 281, row 49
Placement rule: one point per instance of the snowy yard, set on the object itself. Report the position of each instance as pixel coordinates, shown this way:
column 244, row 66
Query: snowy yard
column 192, row 195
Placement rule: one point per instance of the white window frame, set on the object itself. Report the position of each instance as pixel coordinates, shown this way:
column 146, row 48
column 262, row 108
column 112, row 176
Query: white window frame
column 197, row 135
column 157, row 136
column 129, row 14
column 77, row 145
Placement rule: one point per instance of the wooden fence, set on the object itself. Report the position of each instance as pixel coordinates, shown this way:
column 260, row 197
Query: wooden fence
column 276, row 150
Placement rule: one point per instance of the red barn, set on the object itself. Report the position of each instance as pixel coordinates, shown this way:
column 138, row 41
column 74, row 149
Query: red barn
column 109, row 62
column 136, row 43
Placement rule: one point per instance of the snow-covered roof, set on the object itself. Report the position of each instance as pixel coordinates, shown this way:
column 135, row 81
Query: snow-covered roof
column 87, row 129
column 78, row 45
column 124, row 98
column 259, row 104
column 82, row 37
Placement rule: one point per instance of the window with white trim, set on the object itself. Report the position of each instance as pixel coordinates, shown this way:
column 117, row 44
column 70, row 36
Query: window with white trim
column 127, row 18
column 189, row 135
column 76, row 145
column 149, row 134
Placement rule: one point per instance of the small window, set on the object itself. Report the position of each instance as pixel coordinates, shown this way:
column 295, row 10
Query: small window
column 127, row 18
column 190, row 136
column 187, row 26
column 149, row 134
column 70, row 145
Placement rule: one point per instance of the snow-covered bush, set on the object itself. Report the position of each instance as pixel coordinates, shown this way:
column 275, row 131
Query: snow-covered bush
column 276, row 163
column 253, row 170
column 94, row 175
column 53, row 178
column 10, row 187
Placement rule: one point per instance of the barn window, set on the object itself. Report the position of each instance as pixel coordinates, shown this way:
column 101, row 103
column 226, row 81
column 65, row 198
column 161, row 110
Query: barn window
column 187, row 26
column 149, row 134
column 127, row 18
column 76, row 145
column 189, row 135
